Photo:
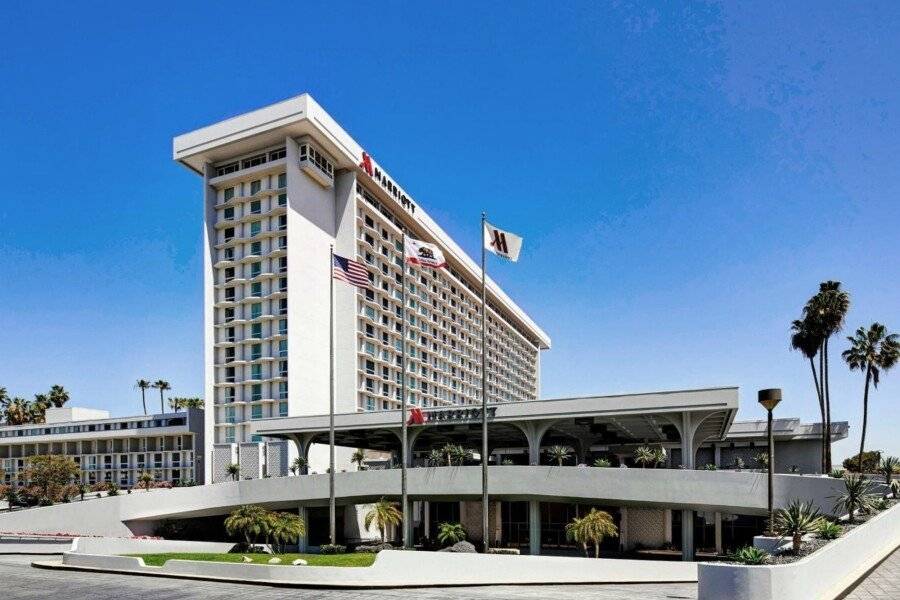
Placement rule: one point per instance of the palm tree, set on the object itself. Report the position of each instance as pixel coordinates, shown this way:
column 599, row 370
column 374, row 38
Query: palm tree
column 435, row 458
column 798, row 519
column 145, row 479
column 234, row 470
column 450, row 533
column 162, row 385
column 659, row 456
column 559, row 454
column 762, row 459
column 643, row 456
column 461, row 455
column 828, row 308
column 250, row 521
column 17, row 411
column 383, row 514
column 38, row 408
column 58, row 396
column 449, row 450
column 591, row 529
column 284, row 527
column 889, row 464
column 299, row 464
column 871, row 351
column 858, row 495
column 143, row 385
column 358, row 457
column 806, row 336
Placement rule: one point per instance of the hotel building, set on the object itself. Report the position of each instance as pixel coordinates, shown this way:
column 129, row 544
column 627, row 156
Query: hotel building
column 281, row 186
column 169, row 446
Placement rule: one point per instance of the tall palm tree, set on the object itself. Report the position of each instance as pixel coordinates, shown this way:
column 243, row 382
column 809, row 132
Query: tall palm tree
column 828, row 308
column 283, row 527
column 383, row 514
column 58, row 396
column 38, row 408
column 871, row 351
column 143, row 385
column 17, row 411
column 162, row 385
column 806, row 336
column 358, row 457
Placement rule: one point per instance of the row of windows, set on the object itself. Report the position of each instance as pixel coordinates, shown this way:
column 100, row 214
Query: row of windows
column 251, row 161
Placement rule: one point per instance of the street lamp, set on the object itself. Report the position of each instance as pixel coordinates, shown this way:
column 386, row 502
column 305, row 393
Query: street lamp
column 769, row 400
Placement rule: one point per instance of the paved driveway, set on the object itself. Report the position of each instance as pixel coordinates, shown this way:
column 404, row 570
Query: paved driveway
column 21, row 581
column 883, row 583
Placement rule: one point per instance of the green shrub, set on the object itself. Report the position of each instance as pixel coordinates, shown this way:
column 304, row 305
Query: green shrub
column 602, row 462
column 710, row 467
column 749, row 555
column 828, row 530
column 332, row 549
column 837, row 473
column 871, row 462
column 881, row 504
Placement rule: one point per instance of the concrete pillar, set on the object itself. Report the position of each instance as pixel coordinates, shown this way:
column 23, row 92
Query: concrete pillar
column 668, row 525
column 718, row 533
column 534, row 527
column 426, row 517
column 687, row 441
column 534, row 432
column 623, row 529
column 717, row 455
column 303, row 540
column 687, row 535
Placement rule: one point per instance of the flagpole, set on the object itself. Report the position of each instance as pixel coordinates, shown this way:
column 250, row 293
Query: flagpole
column 331, row 502
column 404, row 502
column 484, row 432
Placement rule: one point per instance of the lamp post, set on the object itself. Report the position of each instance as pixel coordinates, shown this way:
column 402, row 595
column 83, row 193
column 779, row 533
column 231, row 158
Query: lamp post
column 769, row 400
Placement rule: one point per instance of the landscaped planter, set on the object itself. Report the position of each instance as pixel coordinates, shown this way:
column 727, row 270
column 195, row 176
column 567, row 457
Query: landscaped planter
column 822, row 575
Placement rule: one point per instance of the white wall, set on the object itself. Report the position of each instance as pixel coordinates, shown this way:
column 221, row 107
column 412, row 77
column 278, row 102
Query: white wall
column 823, row 574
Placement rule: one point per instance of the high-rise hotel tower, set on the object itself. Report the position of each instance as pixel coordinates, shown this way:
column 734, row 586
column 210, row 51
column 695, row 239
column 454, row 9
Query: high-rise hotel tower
column 281, row 185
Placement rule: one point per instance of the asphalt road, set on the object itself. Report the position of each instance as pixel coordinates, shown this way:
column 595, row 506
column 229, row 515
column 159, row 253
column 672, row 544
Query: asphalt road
column 21, row 581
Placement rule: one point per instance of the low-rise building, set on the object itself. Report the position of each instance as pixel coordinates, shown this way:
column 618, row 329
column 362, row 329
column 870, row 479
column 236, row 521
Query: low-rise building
column 111, row 450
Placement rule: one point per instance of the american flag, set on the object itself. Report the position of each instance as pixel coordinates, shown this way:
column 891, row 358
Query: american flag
column 349, row 271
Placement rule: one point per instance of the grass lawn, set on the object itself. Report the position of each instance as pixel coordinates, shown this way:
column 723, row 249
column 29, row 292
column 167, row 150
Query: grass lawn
column 315, row 560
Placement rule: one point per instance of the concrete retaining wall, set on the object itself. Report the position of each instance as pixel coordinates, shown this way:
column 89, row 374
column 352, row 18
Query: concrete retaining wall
column 138, row 546
column 824, row 574
column 398, row 568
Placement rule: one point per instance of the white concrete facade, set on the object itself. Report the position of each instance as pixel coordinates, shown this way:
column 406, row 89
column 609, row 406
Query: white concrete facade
column 282, row 185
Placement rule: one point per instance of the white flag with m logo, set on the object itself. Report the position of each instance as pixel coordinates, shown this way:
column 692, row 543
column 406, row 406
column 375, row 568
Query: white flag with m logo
column 502, row 243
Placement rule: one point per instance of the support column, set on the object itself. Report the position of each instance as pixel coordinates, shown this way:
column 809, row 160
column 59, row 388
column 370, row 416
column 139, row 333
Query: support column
column 668, row 525
column 717, row 454
column 718, row 533
column 623, row 529
column 426, row 517
column 687, row 535
column 687, row 441
column 534, row 527
column 534, row 432
column 303, row 540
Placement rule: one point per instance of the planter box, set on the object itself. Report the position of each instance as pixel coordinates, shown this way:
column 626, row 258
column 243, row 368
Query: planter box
column 824, row 574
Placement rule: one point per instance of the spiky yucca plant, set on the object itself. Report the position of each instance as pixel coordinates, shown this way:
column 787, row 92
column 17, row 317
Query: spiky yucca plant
column 858, row 495
column 889, row 464
column 798, row 519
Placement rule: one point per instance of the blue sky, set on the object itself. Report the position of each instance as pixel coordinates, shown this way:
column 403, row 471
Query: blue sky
column 684, row 176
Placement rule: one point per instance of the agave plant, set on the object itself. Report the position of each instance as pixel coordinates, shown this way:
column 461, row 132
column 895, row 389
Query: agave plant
column 837, row 473
column 762, row 459
column 798, row 519
column 602, row 463
column 858, row 495
column 559, row 454
column 828, row 530
column 750, row 555
column 889, row 464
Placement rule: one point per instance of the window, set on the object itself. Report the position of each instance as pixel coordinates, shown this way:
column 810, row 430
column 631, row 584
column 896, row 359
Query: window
column 256, row 392
column 256, row 331
column 256, row 411
column 282, row 264
column 256, row 289
column 282, row 409
column 228, row 194
column 228, row 314
column 282, row 242
column 255, row 249
column 226, row 169
column 255, row 371
column 255, row 227
column 283, row 390
column 229, row 414
column 282, row 368
column 282, row 348
column 255, row 207
column 255, row 186
column 229, row 334
column 229, row 294
column 253, row 161
column 282, row 306
column 277, row 154
column 282, row 180
column 282, row 284
column 229, row 274
column 229, row 435
column 228, row 253
column 282, row 326
column 255, row 269
column 229, row 374
column 228, row 213
column 282, row 199
column 282, row 222
column 255, row 351
column 256, row 310
column 228, row 234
